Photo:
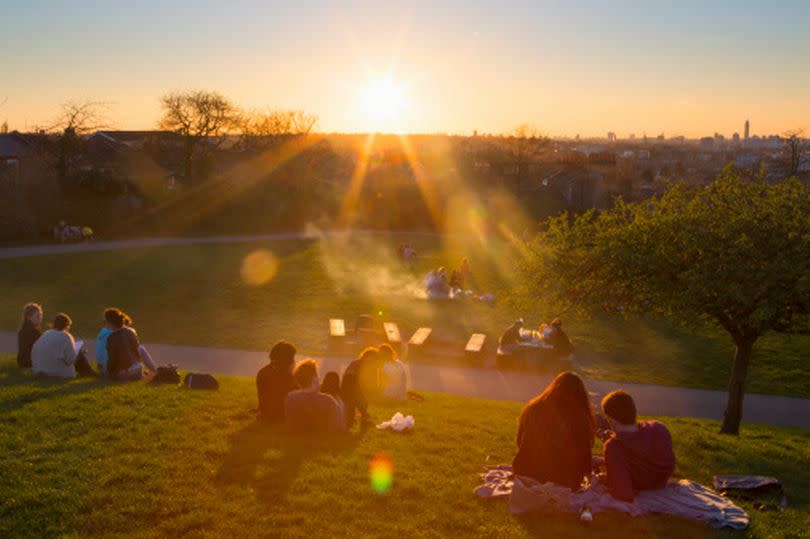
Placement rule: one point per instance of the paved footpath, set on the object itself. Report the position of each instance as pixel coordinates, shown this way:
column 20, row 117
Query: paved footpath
column 493, row 384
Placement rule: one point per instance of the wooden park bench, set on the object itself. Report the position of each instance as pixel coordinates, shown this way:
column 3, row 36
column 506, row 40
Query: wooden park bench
column 392, row 333
column 474, row 350
column 418, row 342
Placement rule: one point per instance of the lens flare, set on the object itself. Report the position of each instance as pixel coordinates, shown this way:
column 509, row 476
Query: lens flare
column 259, row 267
column 381, row 473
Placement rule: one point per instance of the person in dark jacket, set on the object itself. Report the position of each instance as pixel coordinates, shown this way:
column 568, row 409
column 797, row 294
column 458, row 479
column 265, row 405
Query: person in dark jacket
column 361, row 381
column 511, row 338
column 125, row 355
column 638, row 455
column 30, row 331
column 563, row 347
column 555, row 434
column 274, row 381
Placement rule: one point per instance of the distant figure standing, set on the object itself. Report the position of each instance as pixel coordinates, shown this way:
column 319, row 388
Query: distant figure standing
column 308, row 410
column 30, row 331
column 274, row 381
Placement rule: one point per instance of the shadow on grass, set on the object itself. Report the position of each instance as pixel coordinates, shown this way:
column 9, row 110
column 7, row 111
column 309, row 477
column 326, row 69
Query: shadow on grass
column 39, row 387
column 267, row 458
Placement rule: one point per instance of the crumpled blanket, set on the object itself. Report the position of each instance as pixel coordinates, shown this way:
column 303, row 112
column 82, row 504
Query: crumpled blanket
column 681, row 498
column 398, row 423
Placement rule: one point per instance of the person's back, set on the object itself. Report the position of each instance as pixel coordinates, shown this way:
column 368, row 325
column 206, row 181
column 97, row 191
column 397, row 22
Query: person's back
column 53, row 354
column 511, row 336
column 639, row 456
column 101, row 349
column 396, row 386
column 274, row 381
column 122, row 351
column 26, row 337
column 312, row 412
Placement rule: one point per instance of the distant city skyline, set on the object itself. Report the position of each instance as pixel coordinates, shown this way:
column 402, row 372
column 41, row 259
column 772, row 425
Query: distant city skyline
column 584, row 67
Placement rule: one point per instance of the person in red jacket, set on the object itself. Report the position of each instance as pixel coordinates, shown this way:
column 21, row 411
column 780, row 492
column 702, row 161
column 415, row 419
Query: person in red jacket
column 638, row 455
column 556, row 433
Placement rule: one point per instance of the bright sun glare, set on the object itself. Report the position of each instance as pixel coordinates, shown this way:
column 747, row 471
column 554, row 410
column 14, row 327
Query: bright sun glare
column 383, row 100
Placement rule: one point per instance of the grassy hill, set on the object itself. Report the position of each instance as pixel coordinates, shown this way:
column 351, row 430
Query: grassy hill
column 87, row 458
column 249, row 295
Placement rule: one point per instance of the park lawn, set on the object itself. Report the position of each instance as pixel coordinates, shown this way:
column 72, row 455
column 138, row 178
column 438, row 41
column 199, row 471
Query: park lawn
column 90, row 458
column 202, row 295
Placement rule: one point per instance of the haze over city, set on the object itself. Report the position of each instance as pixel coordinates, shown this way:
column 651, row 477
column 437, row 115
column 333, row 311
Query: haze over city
column 680, row 68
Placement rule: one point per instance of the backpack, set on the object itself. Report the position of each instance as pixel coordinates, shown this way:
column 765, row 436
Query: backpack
column 167, row 374
column 200, row 380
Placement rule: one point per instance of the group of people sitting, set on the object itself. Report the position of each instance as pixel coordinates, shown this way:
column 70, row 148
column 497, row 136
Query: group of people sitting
column 557, row 429
column 54, row 351
column 551, row 335
column 440, row 284
column 293, row 393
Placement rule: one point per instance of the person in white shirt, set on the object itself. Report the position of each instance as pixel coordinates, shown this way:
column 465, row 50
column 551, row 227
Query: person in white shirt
column 396, row 380
column 54, row 353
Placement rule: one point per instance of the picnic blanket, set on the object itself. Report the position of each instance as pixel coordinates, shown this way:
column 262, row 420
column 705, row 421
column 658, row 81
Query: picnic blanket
column 681, row 498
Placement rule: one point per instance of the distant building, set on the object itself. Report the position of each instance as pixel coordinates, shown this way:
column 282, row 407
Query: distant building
column 747, row 125
column 735, row 137
column 611, row 136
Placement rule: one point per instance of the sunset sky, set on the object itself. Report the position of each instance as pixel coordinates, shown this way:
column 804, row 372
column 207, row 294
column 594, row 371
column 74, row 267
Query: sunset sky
column 587, row 67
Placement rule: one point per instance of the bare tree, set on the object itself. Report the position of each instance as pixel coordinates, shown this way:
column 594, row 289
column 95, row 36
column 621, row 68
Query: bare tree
column 794, row 148
column 524, row 144
column 258, row 129
column 202, row 118
column 76, row 118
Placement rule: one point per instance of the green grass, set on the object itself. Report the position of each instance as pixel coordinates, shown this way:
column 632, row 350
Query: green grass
column 88, row 458
column 196, row 294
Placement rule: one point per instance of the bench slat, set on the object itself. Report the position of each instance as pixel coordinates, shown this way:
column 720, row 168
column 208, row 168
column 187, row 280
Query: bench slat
column 476, row 342
column 392, row 332
column 337, row 328
column 420, row 336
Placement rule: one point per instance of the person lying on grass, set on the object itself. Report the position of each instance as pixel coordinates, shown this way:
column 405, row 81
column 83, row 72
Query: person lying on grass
column 638, row 455
column 555, row 434
column 125, row 357
column 307, row 410
column 30, row 331
column 274, row 381
column 55, row 354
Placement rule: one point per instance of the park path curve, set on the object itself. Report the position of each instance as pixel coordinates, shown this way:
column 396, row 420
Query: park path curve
column 494, row 384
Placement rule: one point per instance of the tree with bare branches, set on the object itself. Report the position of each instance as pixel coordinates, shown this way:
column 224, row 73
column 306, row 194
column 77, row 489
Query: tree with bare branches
column 258, row 129
column 524, row 144
column 202, row 118
column 76, row 118
column 794, row 149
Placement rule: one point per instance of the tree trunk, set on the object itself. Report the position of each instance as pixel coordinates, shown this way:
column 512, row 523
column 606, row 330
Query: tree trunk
column 736, row 386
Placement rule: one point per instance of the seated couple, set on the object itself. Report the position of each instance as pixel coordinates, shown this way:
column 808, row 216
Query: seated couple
column 285, row 389
column 54, row 352
column 556, row 432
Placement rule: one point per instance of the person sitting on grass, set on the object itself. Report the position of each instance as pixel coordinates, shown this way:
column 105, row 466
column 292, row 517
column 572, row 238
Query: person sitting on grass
column 639, row 455
column 274, row 381
column 562, row 345
column 55, row 354
column 511, row 338
column 555, row 434
column 126, row 357
column 360, row 382
column 395, row 382
column 331, row 386
column 308, row 410
column 30, row 331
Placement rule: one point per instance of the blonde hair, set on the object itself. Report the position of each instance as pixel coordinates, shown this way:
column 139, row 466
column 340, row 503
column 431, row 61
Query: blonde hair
column 29, row 310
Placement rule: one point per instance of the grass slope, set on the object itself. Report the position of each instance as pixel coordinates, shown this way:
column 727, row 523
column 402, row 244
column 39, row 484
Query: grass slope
column 197, row 294
column 88, row 458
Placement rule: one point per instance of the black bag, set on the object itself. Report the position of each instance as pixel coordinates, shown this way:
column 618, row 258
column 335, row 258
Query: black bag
column 167, row 374
column 200, row 380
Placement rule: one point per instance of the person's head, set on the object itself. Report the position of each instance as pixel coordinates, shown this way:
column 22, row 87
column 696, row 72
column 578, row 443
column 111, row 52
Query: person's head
column 282, row 355
column 115, row 318
column 518, row 323
column 32, row 313
column 556, row 323
column 306, row 374
column 387, row 353
column 620, row 407
column 331, row 384
column 62, row 322
column 369, row 354
column 569, row 398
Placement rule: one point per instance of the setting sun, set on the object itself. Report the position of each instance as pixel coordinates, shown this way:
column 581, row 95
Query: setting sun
column 383, row 100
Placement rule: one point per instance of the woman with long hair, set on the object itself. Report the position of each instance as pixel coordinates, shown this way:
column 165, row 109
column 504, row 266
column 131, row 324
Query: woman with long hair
column 556, row 434
column 30, row 331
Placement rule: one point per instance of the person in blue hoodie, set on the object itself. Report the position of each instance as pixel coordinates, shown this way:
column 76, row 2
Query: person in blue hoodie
column 101, row 347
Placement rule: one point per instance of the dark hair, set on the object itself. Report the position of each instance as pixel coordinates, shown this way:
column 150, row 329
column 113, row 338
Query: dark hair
column 388, row 350
column 619, row 405
column 556, row 323
column 117, row 317
column 283, row 354
column 29, row 310
column 570, row 399
column 369, row 354
column 305, row 371
column 61, row 321
column 331, row 384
